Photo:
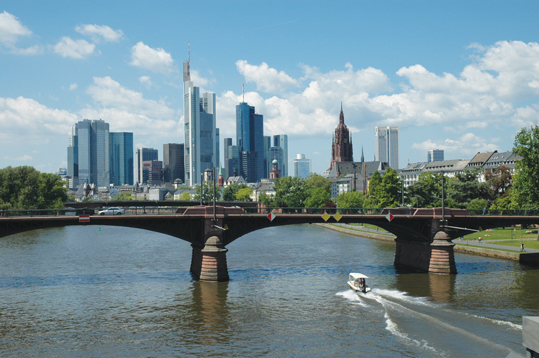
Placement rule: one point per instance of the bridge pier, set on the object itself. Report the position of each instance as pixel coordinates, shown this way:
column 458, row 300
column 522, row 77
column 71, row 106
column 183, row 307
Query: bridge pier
column 437, row 257
column 209, row 263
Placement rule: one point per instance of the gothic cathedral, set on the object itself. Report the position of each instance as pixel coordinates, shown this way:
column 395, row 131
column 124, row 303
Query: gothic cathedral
column 341, row 149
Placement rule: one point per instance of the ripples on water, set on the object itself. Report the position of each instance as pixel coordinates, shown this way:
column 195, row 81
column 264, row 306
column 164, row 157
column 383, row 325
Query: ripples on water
column 80, row 292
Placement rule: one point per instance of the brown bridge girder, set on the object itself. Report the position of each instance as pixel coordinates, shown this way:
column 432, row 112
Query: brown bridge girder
column 417, row 228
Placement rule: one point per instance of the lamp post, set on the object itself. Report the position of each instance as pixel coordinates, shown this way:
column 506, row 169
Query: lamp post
column 201, row 187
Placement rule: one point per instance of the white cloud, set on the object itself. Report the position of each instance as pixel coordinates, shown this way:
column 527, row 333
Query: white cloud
column 26, row 119
column 24, row 158
column 100, row 31
column 128, row 110
column 267, row 79
column 76, row 49
column 29, row 51
column 11, row 29
column 468, row 144
column 155, row 60
column 145, row 81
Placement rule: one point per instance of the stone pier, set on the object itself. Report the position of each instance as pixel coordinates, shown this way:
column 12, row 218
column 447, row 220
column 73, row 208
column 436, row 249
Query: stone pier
column 436, row 257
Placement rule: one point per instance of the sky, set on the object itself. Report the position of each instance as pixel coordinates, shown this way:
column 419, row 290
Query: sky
column 462, row 76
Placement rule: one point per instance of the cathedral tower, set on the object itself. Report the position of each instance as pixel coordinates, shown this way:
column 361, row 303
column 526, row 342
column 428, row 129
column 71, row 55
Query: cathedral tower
column 341, row 149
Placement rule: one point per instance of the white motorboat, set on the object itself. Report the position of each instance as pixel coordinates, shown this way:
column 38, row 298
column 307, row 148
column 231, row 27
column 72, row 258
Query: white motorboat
column 356, row 281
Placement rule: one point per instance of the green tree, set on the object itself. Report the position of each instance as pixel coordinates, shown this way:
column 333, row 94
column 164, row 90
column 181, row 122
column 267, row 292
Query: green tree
column 499, row 180
column 354, row 199
column 123, row 196
column 265, row 199
column 385, row 192
column 244, row 194
column 207, row 195
column 185, row 196
column 426, row 192
column 229, row 193
column 465, row 187
column 26, row 188
column 290, row 192
column 477, row 206
column 526, row 178
column 318, row 197
column 317, row 181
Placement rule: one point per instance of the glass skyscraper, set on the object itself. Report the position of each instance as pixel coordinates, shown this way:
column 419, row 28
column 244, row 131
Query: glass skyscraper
column 302, row 166
column 89, row 152
column 281, row 140
column 173, row 162
column 201, row 146
column 250, row 141
column 143, row 155
column 121, row 158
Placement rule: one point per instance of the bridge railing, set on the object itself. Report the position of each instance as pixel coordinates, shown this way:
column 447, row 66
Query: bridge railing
column 321, row 211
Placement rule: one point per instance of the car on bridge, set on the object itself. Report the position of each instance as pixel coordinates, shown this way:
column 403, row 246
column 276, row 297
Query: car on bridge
column 112, row 211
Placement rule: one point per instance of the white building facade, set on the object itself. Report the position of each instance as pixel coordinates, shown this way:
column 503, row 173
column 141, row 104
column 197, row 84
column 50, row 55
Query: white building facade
column 387, row 145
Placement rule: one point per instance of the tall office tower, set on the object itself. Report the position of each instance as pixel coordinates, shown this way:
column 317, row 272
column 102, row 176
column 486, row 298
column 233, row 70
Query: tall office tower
column 173, row 162
column 227, row 142
column 276, row 154
column 249, row 166
column 201, row 147
column 302, row 166
column 250, row 141
column 341, row 146
column 281, row 140
column 152, row 172
column 267, row 159
column 89, row 150
column 218, row 152
column 387, row 145
column 73, row 159
column 233, row 161
column 121, row 158
column 435, row 155
column 143, row 155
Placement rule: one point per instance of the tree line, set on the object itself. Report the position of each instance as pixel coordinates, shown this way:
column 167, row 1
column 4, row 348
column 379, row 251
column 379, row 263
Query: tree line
column 26, row 188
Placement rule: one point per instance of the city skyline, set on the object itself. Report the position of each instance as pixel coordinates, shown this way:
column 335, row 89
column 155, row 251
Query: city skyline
column 459, row 81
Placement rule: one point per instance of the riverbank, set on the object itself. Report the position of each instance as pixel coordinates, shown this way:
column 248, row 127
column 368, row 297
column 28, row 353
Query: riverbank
column 529, row 257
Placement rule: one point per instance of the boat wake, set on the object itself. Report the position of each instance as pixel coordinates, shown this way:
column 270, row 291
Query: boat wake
column 401, row 312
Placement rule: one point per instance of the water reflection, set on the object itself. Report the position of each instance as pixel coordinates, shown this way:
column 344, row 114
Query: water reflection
column 440, row 287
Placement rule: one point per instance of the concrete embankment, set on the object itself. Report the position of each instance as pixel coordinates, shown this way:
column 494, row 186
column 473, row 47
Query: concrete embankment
column 529, row 258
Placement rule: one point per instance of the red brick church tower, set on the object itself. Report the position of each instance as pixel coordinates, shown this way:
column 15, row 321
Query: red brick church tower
column 341, row 149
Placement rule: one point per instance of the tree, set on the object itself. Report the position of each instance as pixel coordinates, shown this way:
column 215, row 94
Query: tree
column 477, row 206
column 123, row 196
column 500, row 180
column 185, row 196
column 526, row 178
column 465, row 187
column 317, row 181
column 26, row 188
column 318, row 198
column 207, row 195
column 244, row 194
column 385, row 192
column 229, row 193
column 426, row 192
column 266, row 200
column 290, row 192
column 353, row 199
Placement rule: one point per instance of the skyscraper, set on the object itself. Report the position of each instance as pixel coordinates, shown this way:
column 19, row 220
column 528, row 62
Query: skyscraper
column 121, row 158
column 250, row 141
column 435, row 155
column 302, row 166
column 227, row 142
column 174, row 167
column 143, row 155
column 341, row 146
column 281, row 140
column 201, row 147
column 73, row 159
column 387, row 145
column 267, row 159
column 88, row 152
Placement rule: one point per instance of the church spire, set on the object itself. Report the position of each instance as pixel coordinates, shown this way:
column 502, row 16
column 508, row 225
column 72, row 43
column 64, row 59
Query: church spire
column 341, row 117
column 362, row 157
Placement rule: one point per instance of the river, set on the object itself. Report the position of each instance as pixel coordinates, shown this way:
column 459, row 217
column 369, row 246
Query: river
column 89, row 291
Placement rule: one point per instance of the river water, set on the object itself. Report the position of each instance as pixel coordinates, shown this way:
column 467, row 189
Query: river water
column 91, row 291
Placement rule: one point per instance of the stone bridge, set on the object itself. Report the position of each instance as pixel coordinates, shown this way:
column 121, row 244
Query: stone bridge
column 423, row 236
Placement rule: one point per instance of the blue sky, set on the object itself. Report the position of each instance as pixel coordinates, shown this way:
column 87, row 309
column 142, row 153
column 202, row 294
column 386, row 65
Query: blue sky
column 462, row 76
